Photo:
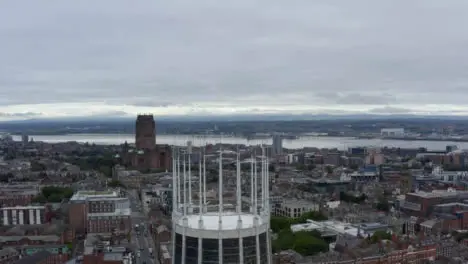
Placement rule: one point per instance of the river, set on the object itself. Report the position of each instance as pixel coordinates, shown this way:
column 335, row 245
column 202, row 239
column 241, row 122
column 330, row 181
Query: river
column 308, row 141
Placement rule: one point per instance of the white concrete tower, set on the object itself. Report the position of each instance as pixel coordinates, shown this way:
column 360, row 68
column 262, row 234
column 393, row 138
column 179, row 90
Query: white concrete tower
column 215, row 231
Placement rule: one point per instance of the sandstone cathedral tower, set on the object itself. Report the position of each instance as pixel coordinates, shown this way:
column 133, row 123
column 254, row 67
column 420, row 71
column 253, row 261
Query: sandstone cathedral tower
column 147, row 154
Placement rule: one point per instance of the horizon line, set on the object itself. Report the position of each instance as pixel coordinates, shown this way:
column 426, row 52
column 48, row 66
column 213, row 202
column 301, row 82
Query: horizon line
column 246, row 117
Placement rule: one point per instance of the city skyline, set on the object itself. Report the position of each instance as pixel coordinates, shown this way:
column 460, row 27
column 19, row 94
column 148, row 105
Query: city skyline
column 120, row 58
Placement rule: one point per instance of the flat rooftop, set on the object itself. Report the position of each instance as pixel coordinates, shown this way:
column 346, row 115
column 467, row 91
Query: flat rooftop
column 435, row 194
column 84, row 195
column 296, row 203
column 228, row 221
column 30, row 207
column 117, row 212
column 336, row 227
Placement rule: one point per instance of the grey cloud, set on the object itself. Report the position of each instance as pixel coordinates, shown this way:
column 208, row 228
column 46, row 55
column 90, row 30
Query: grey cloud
column 390, row 110
column 26, row 114
column 151, row 104
column 110, row 113
column 365, row 99
column 187, row 52
column 145, row 103
column 357, row 98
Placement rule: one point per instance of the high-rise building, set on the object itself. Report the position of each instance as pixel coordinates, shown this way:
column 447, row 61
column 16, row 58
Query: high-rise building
column 277, row 145
column 212, row 231
column 25, row 139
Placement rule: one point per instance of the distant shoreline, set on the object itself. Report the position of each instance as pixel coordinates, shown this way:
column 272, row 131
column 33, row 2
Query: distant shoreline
column 417, row 139
column 308, row 141
column 286, row 137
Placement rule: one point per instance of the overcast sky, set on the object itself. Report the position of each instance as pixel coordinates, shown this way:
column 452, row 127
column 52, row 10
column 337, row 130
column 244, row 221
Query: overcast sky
column 114, row 57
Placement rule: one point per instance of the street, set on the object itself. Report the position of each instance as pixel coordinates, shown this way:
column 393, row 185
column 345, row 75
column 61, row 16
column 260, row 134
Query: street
column 143, row 241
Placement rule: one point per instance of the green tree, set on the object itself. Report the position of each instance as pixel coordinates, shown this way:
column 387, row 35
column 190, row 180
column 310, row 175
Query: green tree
column 304, row 242
column 380, row 235
column 70, row 246
column 106, row 170
column 49, row 190
column 36, row 166
column 351, row 198
column 55, row 198
column 278, row 223
column 300, row 167
column 383, row 205
column 67, row 193
column 116, row 183
column 39, row 199
column 460, row 236
column 56, row 194
column 308, row 244
column 284, row 241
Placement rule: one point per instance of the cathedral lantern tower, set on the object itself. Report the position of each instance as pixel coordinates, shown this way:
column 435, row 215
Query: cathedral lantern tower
column 145, row 132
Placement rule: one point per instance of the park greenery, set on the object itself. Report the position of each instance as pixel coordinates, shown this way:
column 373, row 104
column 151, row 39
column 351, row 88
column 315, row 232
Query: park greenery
column 53, row 194
column 37, row 166
column 102, row 162
column 306, row 243
column 380, row 235
column 383, row 205
column 278, row 223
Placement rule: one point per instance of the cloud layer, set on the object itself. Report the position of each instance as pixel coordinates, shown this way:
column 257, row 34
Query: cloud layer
column 86, row 57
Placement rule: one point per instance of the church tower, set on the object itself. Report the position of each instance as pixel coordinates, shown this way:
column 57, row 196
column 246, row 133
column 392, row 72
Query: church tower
column 145, row 132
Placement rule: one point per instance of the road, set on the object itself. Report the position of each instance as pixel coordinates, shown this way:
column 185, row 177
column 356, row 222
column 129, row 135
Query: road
column 141, row 242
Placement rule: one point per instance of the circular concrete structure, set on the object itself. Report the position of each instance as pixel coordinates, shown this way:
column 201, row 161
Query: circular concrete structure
column 234, row 239
column 204, row 236
column 231, row 225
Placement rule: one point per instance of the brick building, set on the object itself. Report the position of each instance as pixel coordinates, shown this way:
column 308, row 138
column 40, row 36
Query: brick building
column 17, row 194
column 457, row 159
column 101, row 259
column 147, row 154
column 99, row 212
column 374, row 157
column 162, row 237
column 421, row 204
column 43, row 257
column 30, row 240
column 408, row 255
column 23, row 215
column 164, row 255
column 446, row 217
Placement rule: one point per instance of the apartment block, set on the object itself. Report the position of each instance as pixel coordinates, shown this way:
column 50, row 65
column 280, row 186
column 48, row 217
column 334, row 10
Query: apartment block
column 421, row 204
column 17, row 194
column 99, row 212
column 295, row 208
column 23, row 215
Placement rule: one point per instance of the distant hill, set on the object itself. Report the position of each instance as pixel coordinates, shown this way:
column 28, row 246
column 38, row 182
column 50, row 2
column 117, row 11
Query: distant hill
column 236, row 118
column 237, row 124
